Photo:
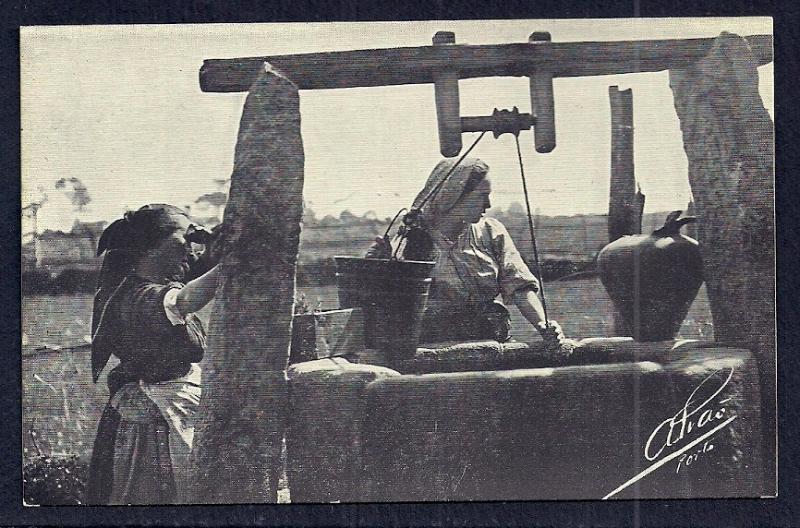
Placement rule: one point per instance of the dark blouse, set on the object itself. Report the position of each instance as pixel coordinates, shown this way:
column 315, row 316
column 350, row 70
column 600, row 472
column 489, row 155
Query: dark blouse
column 150, row 348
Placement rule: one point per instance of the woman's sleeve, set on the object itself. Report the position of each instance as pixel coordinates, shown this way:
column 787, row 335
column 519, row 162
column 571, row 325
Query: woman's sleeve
column 153, row 308
column 171, row 307
column 168, row 345
column 513, row 273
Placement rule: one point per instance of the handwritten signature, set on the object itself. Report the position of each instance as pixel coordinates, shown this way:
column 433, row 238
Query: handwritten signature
column 673, row 430
column 702, row 414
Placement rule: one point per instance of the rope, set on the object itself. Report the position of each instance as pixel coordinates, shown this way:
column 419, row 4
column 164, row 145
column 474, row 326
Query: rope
column 386, row 233
column 453, row 168
column 533, row 233
column 439, row 185
column 433, row 192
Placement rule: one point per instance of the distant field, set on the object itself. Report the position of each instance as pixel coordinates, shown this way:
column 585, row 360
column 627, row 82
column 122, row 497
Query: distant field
column 581, row 306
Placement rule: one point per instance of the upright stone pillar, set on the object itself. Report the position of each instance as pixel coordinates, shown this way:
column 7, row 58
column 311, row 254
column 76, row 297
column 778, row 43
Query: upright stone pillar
column 728, row 139
column 240, row 429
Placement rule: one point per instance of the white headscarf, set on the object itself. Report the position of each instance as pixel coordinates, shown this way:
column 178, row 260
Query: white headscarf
column 450, row 192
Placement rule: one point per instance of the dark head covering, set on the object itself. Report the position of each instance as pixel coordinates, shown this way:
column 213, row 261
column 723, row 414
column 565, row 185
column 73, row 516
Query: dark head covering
column 123, row 242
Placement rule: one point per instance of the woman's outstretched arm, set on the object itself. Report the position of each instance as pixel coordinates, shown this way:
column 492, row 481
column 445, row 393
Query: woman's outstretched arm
column 529, row 304
column 198, row 292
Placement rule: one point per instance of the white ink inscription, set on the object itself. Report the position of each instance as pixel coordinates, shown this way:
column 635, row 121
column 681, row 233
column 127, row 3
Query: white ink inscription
column 702, row 414
column 687, row 459
column 694, row 416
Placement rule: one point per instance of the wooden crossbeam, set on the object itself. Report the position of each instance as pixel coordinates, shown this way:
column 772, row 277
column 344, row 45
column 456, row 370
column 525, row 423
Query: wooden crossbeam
column 396, row 66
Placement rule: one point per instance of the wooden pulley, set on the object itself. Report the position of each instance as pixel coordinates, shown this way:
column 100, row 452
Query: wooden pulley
column 451, row 125
column 499, row 123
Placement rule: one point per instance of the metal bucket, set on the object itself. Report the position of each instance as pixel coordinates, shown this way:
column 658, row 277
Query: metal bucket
column 393, row 295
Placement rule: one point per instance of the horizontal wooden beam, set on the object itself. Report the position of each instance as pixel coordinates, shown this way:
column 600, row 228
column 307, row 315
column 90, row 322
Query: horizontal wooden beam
column 395, row 66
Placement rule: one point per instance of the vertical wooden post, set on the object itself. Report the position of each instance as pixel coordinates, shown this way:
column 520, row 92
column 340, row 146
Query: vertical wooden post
column 728, row 139
column 448, row 103
column 625, row 205
column 542, row 101
column 239, row 431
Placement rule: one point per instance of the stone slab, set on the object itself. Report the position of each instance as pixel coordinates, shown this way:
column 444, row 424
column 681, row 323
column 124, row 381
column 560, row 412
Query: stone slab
column 574, row 432
column 323, row 440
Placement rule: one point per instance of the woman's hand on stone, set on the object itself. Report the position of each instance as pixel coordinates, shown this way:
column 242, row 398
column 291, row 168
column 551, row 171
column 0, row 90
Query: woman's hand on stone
column 214, row 248
column 552, row 332
column 556, row 346
column 210, row 256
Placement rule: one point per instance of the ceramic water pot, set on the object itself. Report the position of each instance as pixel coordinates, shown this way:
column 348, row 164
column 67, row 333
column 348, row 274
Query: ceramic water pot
column 653, row 279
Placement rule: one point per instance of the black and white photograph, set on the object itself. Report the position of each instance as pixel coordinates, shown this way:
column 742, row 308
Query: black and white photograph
column 392, row 262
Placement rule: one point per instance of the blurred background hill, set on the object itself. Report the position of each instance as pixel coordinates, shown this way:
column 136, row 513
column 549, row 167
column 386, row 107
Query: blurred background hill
column 64, row 262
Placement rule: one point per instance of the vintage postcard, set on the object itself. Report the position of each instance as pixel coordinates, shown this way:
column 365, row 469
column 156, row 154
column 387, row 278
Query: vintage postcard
column 490, row 260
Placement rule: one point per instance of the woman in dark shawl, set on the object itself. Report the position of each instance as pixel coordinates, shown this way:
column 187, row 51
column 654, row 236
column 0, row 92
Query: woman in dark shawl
column 144, row 314
column 477, row 263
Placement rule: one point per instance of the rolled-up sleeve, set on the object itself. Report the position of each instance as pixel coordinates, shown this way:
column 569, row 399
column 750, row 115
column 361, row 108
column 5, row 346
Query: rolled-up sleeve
column 513, row 274
column 171, row 307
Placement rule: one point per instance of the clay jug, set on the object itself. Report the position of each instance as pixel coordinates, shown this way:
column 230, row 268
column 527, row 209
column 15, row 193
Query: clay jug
column 653, row 279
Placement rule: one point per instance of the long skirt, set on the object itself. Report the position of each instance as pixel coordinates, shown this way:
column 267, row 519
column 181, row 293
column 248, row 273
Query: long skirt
column 131, row 462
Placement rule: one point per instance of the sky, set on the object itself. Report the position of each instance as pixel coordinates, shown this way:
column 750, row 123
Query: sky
column 120, row 108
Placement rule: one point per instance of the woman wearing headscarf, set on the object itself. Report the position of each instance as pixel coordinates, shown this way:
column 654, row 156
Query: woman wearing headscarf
column 144, row 314
column 476, row 260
